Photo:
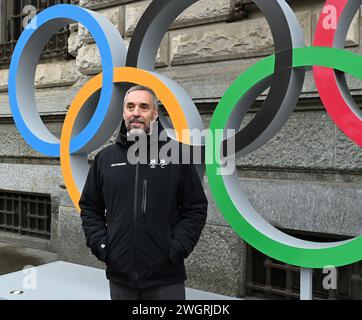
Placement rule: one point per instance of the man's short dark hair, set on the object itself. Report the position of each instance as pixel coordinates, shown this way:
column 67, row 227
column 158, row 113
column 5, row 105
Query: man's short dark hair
column 143, row 88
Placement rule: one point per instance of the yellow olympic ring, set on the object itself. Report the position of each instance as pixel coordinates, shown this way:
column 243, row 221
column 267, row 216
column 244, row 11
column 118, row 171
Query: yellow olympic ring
column 121, row 74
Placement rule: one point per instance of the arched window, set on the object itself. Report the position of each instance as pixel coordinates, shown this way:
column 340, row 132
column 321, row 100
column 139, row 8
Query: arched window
column 12, row 18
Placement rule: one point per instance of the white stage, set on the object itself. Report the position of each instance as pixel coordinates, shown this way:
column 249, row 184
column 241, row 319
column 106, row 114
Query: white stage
column 67, row 281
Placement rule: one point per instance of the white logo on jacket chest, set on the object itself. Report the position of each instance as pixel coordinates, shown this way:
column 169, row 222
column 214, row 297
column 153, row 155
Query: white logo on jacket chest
column 153, row 163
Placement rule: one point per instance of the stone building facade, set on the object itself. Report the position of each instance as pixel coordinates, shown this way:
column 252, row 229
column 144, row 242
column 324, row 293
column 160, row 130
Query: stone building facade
column 306, row 180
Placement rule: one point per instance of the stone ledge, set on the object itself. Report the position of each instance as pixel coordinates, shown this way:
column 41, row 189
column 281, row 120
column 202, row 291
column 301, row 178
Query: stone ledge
column 55, row 74
column 34, row 178
column 309, row 142
column 332, row 208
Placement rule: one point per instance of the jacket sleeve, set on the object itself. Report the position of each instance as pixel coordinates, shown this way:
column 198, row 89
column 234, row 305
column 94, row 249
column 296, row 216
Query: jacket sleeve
column 92, row 213
column 193, row 212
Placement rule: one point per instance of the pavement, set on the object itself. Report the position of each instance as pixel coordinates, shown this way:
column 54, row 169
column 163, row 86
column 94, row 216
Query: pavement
column 15, row 258
column 51, row 279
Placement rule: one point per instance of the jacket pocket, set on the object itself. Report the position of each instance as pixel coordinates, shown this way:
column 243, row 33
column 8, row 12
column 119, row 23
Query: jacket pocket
column 176, row 253
column 101, row 249
column 144, row 199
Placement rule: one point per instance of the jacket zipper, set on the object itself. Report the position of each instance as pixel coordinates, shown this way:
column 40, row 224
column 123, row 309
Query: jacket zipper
column 144, row 199
column 135, row 223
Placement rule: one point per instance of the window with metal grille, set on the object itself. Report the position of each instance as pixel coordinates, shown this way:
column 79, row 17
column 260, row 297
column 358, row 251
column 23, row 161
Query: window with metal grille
column 269, row 278
column 11, row 26
column 25, row 213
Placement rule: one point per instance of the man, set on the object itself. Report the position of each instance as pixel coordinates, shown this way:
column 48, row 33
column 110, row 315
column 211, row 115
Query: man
column 142, row 220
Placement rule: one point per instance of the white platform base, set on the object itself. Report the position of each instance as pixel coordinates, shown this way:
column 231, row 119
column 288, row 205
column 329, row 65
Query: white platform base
column 67, row 281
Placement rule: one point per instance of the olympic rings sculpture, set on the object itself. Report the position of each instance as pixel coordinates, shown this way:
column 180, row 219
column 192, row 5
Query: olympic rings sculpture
column 95, row 112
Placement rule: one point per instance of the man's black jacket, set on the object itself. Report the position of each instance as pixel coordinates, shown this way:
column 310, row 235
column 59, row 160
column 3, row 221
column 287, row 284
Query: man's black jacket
column 142, row 220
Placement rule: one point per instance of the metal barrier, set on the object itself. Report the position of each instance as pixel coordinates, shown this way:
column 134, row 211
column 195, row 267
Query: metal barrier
column 25, row 213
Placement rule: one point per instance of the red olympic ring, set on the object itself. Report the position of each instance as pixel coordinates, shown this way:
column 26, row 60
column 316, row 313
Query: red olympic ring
column 337, row 101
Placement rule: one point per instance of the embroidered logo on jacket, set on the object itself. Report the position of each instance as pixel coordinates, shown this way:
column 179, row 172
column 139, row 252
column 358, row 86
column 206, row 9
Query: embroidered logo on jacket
column 118, row 164
column 153, row 163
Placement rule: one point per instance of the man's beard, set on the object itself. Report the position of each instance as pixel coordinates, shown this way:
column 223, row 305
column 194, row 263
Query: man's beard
column 138, row 131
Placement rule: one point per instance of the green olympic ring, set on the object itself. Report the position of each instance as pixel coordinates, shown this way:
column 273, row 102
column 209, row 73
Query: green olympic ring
column 226, row 189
